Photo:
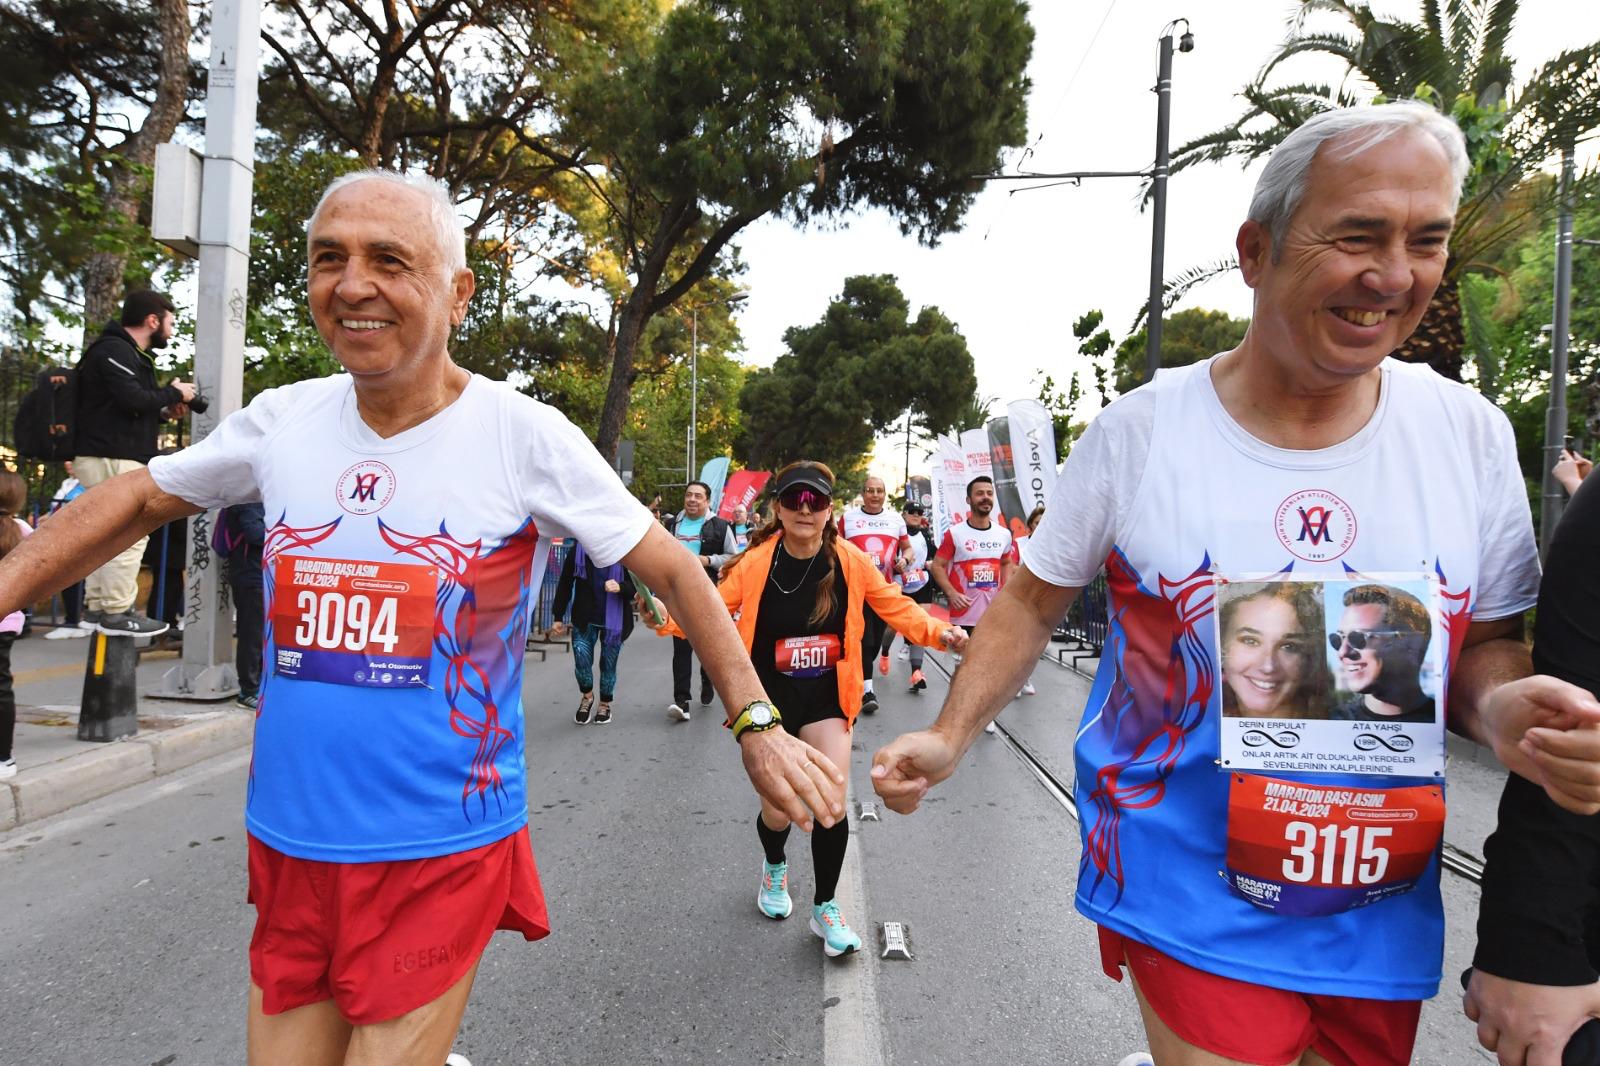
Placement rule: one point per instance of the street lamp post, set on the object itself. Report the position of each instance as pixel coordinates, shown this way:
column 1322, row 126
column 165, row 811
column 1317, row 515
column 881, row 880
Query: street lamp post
column 692, row 443
column 1555, row 426
column 1158, row 193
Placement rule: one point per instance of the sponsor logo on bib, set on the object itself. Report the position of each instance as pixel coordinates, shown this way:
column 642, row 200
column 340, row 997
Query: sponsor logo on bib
column 1315, row 525
column 366, row 487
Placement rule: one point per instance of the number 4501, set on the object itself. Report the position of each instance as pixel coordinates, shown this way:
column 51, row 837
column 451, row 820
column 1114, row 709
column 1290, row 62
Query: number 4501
column 1360, row 859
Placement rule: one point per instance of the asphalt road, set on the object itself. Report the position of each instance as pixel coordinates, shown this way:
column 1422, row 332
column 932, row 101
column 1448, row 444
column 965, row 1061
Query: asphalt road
column 123, row 924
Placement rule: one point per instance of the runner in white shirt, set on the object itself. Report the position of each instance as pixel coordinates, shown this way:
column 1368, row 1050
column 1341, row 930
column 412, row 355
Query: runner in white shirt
column 1293, row 472
column 976, row 557
column 880, row 532
column 409, row 504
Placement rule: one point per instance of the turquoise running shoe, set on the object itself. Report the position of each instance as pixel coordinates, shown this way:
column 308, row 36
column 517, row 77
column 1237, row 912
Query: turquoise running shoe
column 837, row 937
column 773, row 897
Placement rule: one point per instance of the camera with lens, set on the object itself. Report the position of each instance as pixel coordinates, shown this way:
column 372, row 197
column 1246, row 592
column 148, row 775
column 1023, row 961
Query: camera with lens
column 198, row 404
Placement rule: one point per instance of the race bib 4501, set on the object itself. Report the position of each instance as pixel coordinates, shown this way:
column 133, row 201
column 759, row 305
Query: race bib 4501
column 810, row 656
column 353, row 622
column 1309, row 850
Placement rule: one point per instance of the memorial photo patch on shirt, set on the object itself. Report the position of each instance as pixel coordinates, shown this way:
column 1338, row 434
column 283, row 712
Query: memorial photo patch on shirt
column 1343, row 675
column 353, row 622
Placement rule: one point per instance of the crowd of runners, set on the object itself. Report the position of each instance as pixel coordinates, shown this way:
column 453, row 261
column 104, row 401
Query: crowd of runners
column 1270, row 893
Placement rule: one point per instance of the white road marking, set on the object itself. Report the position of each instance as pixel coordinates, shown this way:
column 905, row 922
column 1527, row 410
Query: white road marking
column 852, row 1029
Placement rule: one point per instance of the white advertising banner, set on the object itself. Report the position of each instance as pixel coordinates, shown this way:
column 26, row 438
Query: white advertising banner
column 949, row 486
column 1033, row 452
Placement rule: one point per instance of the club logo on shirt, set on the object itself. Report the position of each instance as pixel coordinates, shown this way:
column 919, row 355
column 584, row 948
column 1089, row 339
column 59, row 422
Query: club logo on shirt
column 1315, row 525
column 366, row 487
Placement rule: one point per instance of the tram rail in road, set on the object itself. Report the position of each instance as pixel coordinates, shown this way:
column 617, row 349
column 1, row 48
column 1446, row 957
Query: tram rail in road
column 1459, row 862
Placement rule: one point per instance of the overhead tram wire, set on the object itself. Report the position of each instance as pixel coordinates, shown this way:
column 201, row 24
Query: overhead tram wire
column 1461, row 863
column 1056, row 110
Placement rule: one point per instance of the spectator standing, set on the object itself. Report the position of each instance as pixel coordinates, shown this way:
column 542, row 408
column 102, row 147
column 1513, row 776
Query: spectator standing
column 120, row 407
column 244, row 528
column 71, row 596
column 13, row 496
column 710, row 539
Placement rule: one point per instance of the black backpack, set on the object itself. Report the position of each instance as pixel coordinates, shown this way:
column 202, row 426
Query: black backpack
column 46, row 426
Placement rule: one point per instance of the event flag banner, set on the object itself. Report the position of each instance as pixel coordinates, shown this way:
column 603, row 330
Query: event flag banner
column 1007, row 501
column 715, row 474
column 919, row 490
column 1033, row 452
column 949, row 486
column 742, row 490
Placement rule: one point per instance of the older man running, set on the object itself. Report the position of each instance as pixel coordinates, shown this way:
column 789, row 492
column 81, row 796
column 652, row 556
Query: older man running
column 408, row 503
column 1269, row 906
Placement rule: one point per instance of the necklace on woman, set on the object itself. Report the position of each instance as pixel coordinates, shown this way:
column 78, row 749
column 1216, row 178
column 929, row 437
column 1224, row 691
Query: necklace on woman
column 772, row 575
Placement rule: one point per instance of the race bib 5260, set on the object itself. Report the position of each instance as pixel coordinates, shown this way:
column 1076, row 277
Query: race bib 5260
column 1310, row 850
column 810, row 656
column 985, row 575
column 353, row 622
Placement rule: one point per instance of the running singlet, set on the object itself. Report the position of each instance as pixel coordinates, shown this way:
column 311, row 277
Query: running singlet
column 915, row 579
column 1164, row 490
column 397, row 580
column 878, row 535
column 974, row 558
column 687, row 531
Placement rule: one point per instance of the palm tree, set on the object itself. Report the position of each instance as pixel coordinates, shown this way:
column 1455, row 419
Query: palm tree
column 1454, row 59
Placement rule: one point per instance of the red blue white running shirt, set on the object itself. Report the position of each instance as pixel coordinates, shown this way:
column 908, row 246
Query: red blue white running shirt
column 398, row 580
column 879, row 535
column 974, row 561
column 1163, row 491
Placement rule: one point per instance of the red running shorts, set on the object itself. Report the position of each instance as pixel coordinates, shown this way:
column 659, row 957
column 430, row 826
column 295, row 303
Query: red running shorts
column 381, row 939
column 1260, row 1025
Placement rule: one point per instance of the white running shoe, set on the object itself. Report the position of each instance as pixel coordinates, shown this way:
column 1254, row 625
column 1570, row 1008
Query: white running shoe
column 905, row 652
column 66, row 633
column 1138, row 1058
column 1028, row 689
column 677, row 713
column 8, row 769
column 457, row 1059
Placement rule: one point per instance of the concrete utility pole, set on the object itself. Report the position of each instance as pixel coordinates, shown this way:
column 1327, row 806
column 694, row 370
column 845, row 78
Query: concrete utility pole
column 1158, row 194
column 1555, row 425
column 206, row 671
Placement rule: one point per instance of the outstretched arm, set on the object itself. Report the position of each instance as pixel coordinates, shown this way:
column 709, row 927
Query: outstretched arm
column 85, row 534
column 1002, row 652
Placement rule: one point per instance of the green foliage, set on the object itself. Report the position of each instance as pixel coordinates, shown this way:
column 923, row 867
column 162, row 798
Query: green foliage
column 1187, row 337
column 854, row 374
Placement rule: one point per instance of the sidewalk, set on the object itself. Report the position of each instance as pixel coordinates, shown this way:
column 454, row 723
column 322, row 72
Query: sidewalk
column 58, row 771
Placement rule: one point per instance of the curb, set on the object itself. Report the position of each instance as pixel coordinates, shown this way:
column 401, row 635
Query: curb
column 111, row 767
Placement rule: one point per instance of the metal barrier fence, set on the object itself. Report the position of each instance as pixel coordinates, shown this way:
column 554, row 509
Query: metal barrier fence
column 1083, row 632
column 543, row 613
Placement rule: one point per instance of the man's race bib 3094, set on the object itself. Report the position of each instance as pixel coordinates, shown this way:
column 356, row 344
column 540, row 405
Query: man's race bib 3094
column 810, row 656
column 353, row 622
column 1310, row 850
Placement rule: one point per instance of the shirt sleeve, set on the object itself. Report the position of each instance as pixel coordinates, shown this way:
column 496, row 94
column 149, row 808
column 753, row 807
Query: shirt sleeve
column 1093, row 493
column 567, row 487
column 947, row 548
column 1508, row 562
column 220, row 469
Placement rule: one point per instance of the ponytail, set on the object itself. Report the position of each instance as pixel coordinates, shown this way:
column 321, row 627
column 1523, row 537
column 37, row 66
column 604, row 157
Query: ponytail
column 824, row 604
column 13, row 496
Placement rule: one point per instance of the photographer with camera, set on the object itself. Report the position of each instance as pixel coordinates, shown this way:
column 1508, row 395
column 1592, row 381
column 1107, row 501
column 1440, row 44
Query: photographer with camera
column 120, row 409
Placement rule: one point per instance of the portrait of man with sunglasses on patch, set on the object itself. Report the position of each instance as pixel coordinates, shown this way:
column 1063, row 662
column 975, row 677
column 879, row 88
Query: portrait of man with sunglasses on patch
column 1378, row 654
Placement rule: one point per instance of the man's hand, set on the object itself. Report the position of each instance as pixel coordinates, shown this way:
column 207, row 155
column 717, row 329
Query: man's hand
column 1571, row 469
column 959, row 602
column 904, row 769
column 1548, row 731
column 176, row 412
column 1527, row 1025
column 954, row 638
column 558, row 630
column 612, row 586
column 185, row 389
column 794, row 777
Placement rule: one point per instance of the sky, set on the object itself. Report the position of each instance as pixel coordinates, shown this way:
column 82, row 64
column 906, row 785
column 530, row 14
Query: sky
column 1025, row 266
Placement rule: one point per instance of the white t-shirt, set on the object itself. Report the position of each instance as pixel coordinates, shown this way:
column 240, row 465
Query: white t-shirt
column 1164, row 491
column 975, row 564
column 397, row 576
column 879, row 535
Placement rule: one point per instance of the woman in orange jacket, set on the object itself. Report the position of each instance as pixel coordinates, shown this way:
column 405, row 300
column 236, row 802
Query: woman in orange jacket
column 797, row 593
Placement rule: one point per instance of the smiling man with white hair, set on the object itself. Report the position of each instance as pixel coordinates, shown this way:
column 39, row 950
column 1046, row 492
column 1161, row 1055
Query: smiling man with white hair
column 1285, row 910
column 408, row 504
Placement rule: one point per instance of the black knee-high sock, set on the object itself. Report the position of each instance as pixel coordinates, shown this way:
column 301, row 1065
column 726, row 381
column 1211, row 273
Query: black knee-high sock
column 772, row 840
column 827, row 857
